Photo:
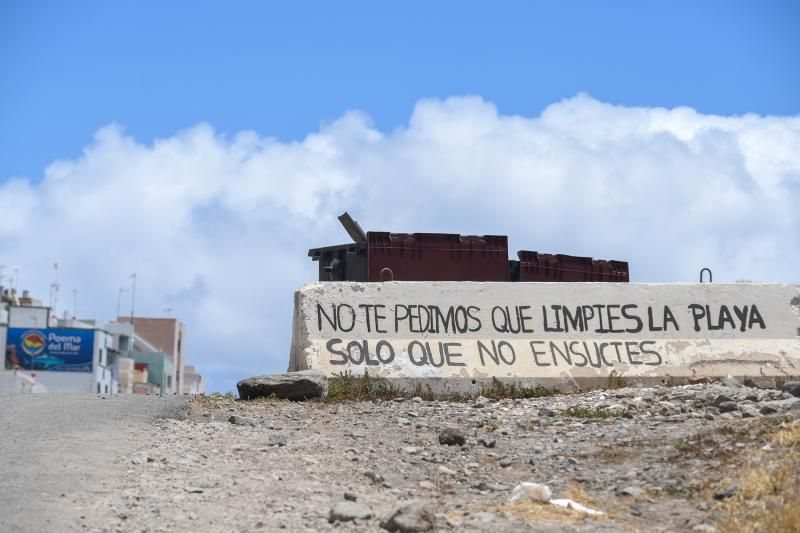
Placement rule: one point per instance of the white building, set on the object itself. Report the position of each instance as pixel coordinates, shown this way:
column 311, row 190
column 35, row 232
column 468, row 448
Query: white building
column 193, row 381
column 36, row 350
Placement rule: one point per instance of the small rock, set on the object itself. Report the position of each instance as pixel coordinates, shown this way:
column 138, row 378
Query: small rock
column 496, row 487
column 277, row 440
column 748, row 411
column 792, row 387
column 446, row 471
column 527, row 422
column 349, row 496
column 193, row 490
column 631, row 491
column 768, row 410
column 412, row 517
column 480, row 402
column 241, row 421
column 452, row 437
column 546, row 413
column 427, row 485
column 506, row 461
column 721, row 399
column 374, row 476
column 487, row 442
column 347, row 511
column 727, row 492
column 727, row 407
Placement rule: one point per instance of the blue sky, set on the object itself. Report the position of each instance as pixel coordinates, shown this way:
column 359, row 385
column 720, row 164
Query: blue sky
column 207, row 145
column 282, row 69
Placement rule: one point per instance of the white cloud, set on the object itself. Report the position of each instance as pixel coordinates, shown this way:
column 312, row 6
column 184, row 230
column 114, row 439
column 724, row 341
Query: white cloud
column 218, row 227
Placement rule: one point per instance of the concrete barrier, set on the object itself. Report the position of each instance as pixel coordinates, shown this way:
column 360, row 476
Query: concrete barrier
column 457, row 336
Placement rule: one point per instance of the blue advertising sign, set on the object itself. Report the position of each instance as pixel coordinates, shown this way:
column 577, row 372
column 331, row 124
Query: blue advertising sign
column 66, row 350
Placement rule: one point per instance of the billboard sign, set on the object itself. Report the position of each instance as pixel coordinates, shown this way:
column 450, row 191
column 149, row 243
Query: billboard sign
column 65, row 350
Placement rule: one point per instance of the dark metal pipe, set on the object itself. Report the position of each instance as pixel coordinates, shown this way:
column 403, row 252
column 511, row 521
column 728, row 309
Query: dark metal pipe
column 352, row 228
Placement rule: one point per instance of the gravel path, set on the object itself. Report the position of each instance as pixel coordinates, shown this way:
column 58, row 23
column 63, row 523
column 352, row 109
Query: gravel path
column 651, row 459
column 57, row 453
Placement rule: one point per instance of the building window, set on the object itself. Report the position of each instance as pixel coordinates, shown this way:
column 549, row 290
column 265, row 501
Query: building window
column 98, row 388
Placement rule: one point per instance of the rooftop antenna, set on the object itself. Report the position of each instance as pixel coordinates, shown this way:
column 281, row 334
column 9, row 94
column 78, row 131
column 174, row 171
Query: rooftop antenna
column 352, row 228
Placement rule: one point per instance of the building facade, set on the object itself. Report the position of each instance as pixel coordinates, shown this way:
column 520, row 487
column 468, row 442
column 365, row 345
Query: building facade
column 166, row 335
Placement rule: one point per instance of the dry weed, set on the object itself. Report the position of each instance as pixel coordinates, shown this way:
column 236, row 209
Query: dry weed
column 768, row 497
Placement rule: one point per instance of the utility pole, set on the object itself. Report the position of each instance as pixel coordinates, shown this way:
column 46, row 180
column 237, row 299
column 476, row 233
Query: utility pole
column 119, row 302
column 75, row 304
column 133, row 302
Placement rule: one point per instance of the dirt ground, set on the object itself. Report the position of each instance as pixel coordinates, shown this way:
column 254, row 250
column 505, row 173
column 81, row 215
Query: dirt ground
column 658, row 459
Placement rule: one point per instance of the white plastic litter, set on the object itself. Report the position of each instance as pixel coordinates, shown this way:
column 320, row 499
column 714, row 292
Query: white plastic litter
column 531, row 492
column 566, row 503
column 536, row 492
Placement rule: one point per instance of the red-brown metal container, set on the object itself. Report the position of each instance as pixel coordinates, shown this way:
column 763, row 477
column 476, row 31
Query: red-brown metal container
column 610, row 271
column 534, row 266
column 436, row 257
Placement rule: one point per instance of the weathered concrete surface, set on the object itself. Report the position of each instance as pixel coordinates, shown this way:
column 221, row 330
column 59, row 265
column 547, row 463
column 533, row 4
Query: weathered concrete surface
column 295, row 386
column 458, row 336
column 58, row 453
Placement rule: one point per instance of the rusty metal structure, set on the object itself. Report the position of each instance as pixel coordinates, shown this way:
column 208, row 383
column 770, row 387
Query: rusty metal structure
column 384, row 256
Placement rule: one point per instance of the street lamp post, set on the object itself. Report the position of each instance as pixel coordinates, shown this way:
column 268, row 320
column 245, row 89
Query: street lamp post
column 133, row 303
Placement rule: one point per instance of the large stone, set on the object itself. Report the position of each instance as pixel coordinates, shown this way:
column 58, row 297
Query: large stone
column 295, row 386
column 792, row 387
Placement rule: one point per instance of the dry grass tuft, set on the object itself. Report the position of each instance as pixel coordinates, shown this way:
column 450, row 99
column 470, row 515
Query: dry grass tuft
column 346, row 387
column 768, row 497
column 213, row 401
column 788, row 436
column 544, row 513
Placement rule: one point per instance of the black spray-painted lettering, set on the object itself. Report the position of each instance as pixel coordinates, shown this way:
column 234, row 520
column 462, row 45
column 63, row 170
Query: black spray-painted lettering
column 742, row 318
column 497, row 351
column 433, row 319
column 506, row 320
column 595, row 354
column 337, row 320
